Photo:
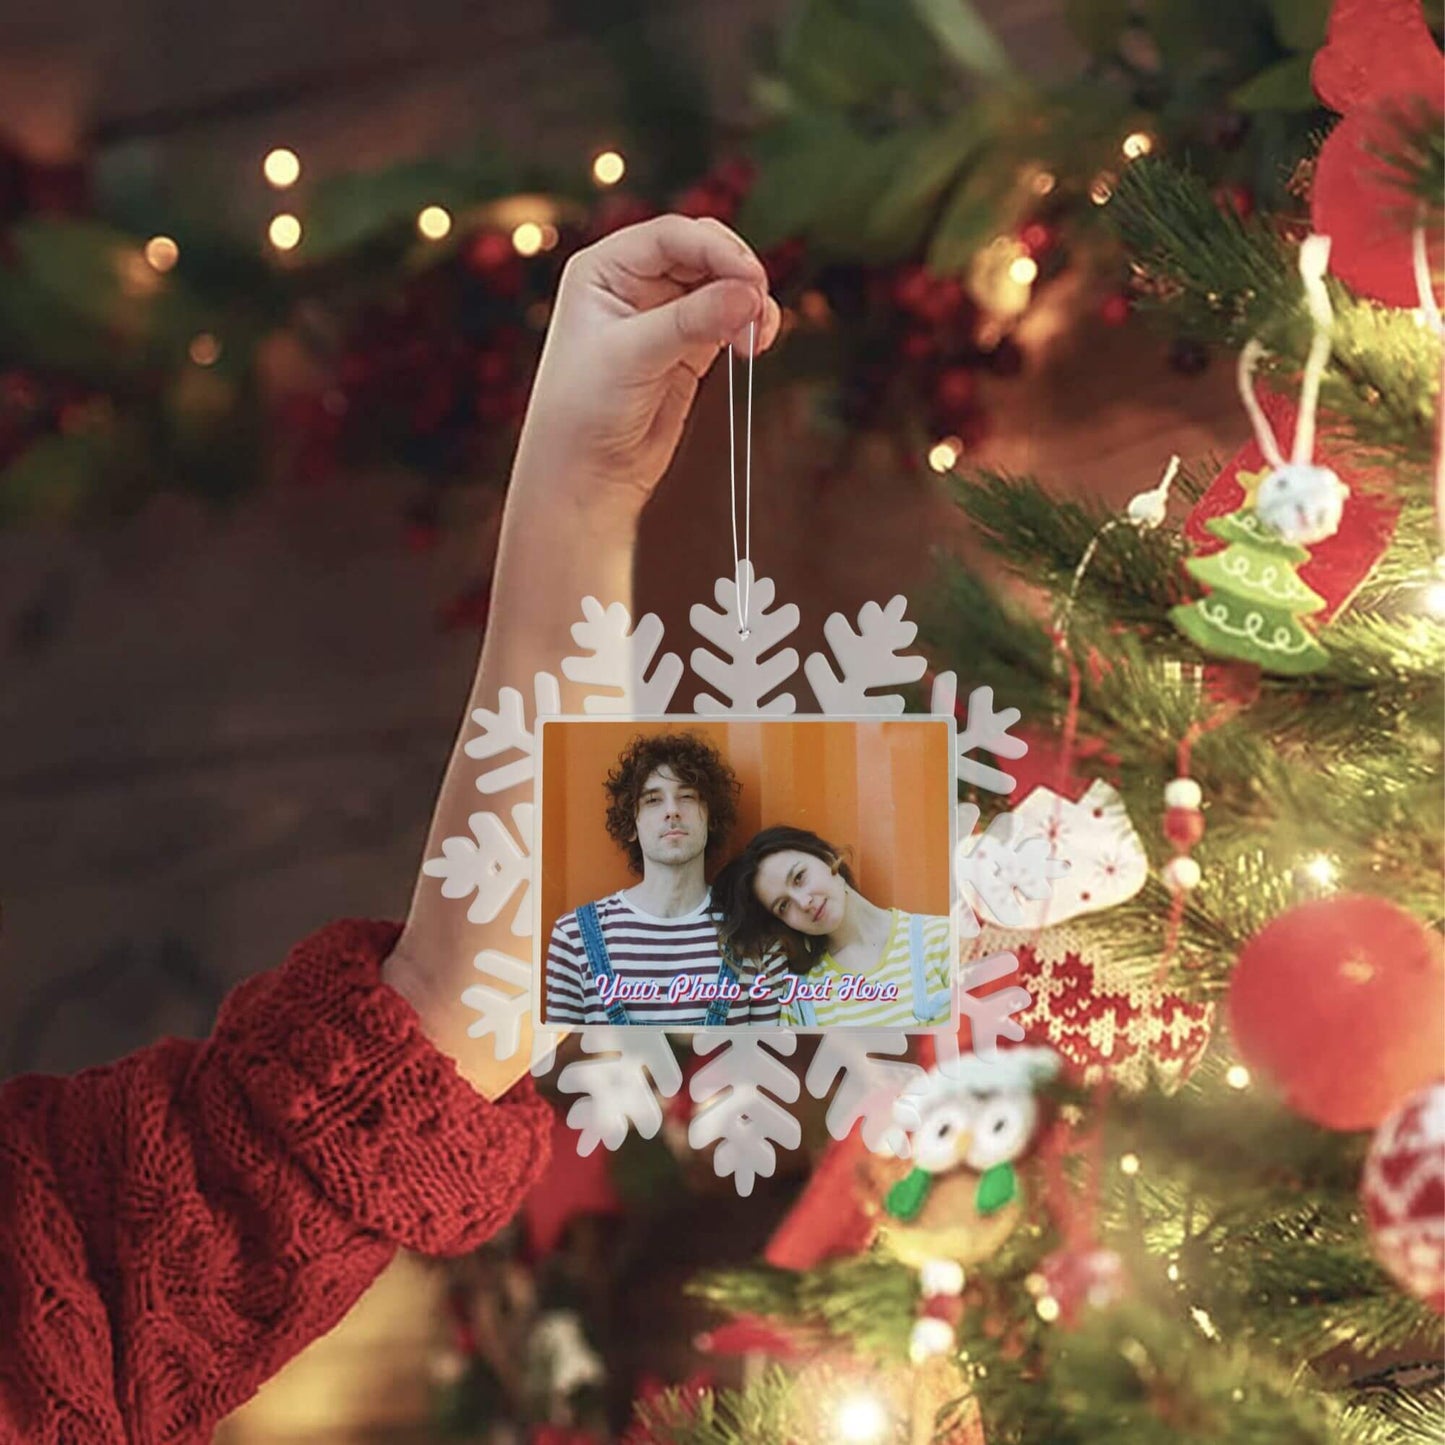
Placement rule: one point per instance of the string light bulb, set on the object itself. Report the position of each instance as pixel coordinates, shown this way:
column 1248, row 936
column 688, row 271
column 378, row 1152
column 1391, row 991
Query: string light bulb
column 204, row 349
column 1043, row 183
column 1433, row 599
column 162, row 253
column 861, row 1419
column 527, row 239
column 1048, row 1308
column 434, row 222
column 281, row 167
column 1129, row 1164
column 1237, row 1077
column 1023, row 270
column 943, row 455
column 608, row 168
column 1321, row 870
column 1136, row 144
column 1101, row 190
column 284, row 232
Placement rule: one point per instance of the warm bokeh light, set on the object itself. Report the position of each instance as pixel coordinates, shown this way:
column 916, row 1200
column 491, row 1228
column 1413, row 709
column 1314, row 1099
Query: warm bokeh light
column 434, row 222
column 1101, row 190
column 944, row 455
column 205, row 350
column 1129, row 1164
column 862, row 1419
column 608, row 168
column 1137, row 143
column 162, row 253
column 527, row 239
column 285, row 232
column 550, row 236
column 1320, row 869
column 1043, row 183
column 1434, row 599
column 1237, row 1077
column 1024, row 270
column 282, row 168
column 1048, row 1309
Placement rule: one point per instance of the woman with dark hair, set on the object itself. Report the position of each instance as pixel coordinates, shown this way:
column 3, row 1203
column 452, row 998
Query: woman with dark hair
column 849, row 961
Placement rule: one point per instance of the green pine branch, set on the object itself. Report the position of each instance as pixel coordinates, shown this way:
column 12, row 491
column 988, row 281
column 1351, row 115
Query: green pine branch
column 1225, row 279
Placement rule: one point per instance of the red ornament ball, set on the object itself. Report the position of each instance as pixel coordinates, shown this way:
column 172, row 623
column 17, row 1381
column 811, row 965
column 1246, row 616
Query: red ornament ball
column 1038, row 238
column 1403, row 1190
column 955, row 388
column 1236, row 198
column 1338, row 1002
column 489, row 251
column 1183, row 827
column 1115, row 309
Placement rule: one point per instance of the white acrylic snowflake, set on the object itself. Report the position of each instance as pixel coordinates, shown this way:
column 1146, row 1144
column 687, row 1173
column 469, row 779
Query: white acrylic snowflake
column 743, row 1091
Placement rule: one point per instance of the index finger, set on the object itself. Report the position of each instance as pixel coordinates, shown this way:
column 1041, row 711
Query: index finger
column 673, row 243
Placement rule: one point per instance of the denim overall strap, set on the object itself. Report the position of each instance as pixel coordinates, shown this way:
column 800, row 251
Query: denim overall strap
column 717, row 1009
column 597, row 958
column 926, row 1007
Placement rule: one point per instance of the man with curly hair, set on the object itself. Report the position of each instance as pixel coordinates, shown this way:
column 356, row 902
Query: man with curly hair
column 650, row 954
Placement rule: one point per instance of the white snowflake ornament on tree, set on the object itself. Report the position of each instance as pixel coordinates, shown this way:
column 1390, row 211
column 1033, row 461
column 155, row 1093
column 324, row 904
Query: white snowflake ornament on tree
column 746, row 1087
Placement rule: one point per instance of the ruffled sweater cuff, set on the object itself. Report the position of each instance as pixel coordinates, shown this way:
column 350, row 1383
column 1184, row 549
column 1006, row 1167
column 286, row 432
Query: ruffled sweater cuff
column 331, row 1066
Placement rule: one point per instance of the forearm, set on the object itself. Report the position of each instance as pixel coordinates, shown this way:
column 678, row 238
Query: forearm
column 560, row 541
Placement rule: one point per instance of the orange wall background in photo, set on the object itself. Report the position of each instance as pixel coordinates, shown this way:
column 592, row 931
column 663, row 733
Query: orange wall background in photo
column 877, row 790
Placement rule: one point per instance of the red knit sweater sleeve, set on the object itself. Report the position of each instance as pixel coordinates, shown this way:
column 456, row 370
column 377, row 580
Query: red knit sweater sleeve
column 176, row 1226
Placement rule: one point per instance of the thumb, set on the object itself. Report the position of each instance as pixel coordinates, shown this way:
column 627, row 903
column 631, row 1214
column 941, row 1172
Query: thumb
column 693, row 327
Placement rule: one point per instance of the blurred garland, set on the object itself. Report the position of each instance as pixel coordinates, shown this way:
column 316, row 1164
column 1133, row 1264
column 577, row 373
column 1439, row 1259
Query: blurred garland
column 912, row 194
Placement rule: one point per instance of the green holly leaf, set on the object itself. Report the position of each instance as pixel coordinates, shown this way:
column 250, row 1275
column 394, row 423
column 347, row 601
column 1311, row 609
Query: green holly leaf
column 998, row 1186
column 1300, row 24
column 906, row 1197
column 965, row 37
column 1283, row 86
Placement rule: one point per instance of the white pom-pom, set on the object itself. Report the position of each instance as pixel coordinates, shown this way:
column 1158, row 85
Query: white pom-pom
column 941, row 1276
column 1182, row 875
column 930, row 1337
column 1304, row 504
column 1183, row 793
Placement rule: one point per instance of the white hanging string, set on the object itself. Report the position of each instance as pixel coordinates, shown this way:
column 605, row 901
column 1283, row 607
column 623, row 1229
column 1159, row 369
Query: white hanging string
column 742, row 574
column 1430, row 310
column 1263, row 432
column 1314, row 260
column 1146, row 511
column 1424, row 285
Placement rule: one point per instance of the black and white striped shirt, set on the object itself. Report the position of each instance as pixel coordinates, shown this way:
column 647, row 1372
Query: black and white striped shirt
column 667, row 968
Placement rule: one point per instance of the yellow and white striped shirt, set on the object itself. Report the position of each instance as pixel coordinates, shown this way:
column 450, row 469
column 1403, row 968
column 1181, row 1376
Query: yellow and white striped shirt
column 834, row 992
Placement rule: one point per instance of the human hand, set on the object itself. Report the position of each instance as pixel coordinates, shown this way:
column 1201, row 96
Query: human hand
column 639, row 318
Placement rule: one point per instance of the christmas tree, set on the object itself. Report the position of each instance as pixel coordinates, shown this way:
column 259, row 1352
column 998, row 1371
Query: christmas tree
column 1229, row 1221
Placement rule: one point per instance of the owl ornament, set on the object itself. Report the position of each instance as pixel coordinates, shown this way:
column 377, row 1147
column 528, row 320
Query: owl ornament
column 969, row 1122
column 1256, row 595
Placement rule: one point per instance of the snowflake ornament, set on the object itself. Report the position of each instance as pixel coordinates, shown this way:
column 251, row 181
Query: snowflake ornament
column 492, row 864
column 744, row 1090
column 734, row 1111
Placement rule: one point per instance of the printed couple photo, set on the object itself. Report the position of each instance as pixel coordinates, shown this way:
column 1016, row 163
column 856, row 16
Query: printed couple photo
column 767, row 873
